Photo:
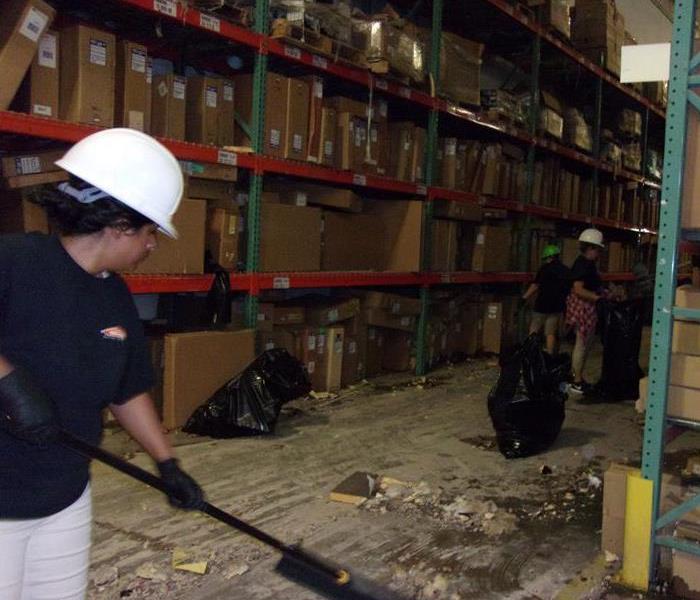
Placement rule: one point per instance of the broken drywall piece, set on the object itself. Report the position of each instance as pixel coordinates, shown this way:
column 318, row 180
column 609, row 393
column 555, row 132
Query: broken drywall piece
column 183, row 560
column 356, row 489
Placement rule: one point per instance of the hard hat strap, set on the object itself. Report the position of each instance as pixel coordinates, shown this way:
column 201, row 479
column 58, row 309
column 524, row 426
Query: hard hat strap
column 84, row 196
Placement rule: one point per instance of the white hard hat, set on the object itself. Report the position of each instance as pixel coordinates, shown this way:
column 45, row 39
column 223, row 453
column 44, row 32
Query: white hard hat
column 133, row 168
column 591, row 236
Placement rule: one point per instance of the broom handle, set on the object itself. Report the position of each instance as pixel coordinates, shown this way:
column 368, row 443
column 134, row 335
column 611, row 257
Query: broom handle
column 90, row 451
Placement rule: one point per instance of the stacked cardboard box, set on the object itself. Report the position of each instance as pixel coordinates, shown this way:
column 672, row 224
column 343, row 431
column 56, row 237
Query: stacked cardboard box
column 38, row 94
column 598, row 31
column 554, row 14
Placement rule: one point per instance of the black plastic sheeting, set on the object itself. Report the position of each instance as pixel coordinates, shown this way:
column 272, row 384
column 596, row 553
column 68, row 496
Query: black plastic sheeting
column 527, row 404
column 621, row 332
column 250, row 403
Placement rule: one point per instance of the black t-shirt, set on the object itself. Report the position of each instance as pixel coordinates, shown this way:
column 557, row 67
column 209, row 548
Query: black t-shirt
column 554, row 281
column 585, row 270
column 80, row 338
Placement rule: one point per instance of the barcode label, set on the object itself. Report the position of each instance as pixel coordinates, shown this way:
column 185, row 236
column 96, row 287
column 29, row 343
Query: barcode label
column 138, row 60
column 227, row 158
column 280, row 283
column 211, row 97
column 26, row 165
column 228, row 92
column 311, row 342
column 209, row 22
column 34, row 24
column 149, row 72
column 328, row 148
column 179, row 87
column 292, row 52
column 47, row 51
column 333, row 315
column 359, row 179
column 275, row 137
column 167, row 7
column 382, row 84
column 42, row 109
column 98, row 52
column 319, row 62
column 297, row 142
column 300, row 200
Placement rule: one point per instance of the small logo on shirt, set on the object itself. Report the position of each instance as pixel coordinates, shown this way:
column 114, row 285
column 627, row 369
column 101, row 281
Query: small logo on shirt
column 116, row 333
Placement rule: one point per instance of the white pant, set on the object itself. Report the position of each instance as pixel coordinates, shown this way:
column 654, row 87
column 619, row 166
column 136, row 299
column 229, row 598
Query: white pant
column 47, row 558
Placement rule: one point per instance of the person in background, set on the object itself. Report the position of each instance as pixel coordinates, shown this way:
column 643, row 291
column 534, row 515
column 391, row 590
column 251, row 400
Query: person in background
column 581, row 313
column 551, row 285
column 71, row 345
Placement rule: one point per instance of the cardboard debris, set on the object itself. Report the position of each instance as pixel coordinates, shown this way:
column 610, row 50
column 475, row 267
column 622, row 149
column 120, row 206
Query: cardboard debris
column 355, row 489
column 182, row 560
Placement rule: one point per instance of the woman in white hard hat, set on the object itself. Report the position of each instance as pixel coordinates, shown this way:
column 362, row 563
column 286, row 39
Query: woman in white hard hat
column 581, row 304
column 71, row 344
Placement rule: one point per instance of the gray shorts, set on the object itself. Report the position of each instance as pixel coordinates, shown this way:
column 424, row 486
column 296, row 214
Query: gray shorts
column 551, row 323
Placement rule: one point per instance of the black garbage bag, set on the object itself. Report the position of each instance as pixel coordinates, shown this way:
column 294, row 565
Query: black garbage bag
column 527, row 404
column 621, row 334
column 250, row 403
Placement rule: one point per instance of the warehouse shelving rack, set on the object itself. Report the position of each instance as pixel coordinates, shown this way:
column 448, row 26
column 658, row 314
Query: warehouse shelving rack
column 257, row 39
column 682, row 98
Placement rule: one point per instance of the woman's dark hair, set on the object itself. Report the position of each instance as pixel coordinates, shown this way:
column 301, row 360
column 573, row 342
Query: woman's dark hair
column 585, row 246
column 75, row 218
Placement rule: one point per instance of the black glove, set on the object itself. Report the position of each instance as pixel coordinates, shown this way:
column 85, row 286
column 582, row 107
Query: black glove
column 183, row 491
column 26, row 412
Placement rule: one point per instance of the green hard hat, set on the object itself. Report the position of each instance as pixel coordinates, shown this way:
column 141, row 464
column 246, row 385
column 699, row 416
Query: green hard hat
column 550, row 250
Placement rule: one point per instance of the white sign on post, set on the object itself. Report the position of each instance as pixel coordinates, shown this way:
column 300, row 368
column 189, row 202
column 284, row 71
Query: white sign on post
column 645, row 62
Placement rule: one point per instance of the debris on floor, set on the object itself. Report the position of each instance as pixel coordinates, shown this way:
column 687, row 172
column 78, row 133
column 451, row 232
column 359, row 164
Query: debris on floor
column 355, row 489
column 184, row 560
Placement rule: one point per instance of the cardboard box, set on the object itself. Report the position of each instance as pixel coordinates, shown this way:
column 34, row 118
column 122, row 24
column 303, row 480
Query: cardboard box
column 614, row 505
column 197, row 364
column 222, row 237
column 458, row 211
column 464, row 335
column 284, row 314
column 341, row 104
column 22, row 181
column 615, row 257
column 30, row 163
column 420, row 139
column 338, row 312
column 321, row 351
column 398, row 351
column 22, row 23
column 329, row 126
column 378, row 317
column 374, row 351
column 690, row 204
column 683, row 402
column 227, row 113
column 444, row 245
column 492, row 330
column 209, row 171
column 400, row 165
column 555, row 14
column 202, row 113
column 449, row 162
column 351, row 142
column 266, row 312
column 38, row 94
column 186, row 254
column 17, row 214
column 131, row 86
column 395, row 304
column 276, row 93
column 335, row 342
column 210, row 189
column 353, row 367
column 403, row 221
column 489, row 244
column 88, row 58
column 301, row 194
column 313, row 137
column 686, row 338
column 352, row 242
column 290, row 238
column 277, row 338
column 149, row 95
column 168, row 106
column 686, row 575
column 460, row 69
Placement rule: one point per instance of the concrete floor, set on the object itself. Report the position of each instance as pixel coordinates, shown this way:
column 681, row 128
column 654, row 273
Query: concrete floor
column 465, row 523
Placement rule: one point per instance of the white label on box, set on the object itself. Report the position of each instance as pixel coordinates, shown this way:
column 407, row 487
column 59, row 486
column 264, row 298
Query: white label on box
column 300, row 199
column 407, row 145
column 270, row 346
column 34, row 24
column 318, row 88
column 138, row 60
column 311, row 342
column 261, row 316
column 167, row 7
column 352, row 347
column 47, row 51
column 382, row 84
column 241, row 198
column 480, row 239
column 383, row 108
column 292, row 52
column 209, row 22
column 328, row 148
column 422, row 190
column 232, row 224
column 321, row 343
column 405, row 92
column 450, row 147
column 311, row 366
column 396, row 307
column 323, row 225
column 280, row 283
column 98, row 52
column 179, row 87
column 359, row 179
column 162, row 88
column 211, row 96
column 319, row 62
column 492, row 311
column 371, row 333
column 26, row 165
column 149, row 72
column 275, row 137
column 227, row 158
column 42, row 110
column 297, row 142
column 374, row 134
column 405, row 321
column 135, row 119
column 228, row 92
column 333, row 315
column 358, row 136
column 338, row 346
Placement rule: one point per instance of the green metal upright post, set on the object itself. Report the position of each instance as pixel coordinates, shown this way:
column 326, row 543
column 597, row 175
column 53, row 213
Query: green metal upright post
column 429, row 168
column 257, row 140
column 681, row 79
